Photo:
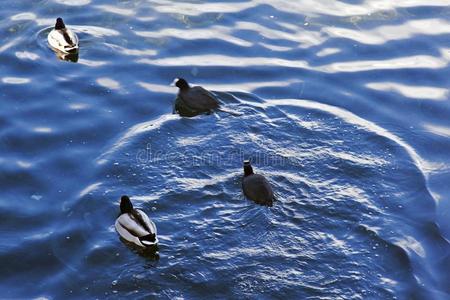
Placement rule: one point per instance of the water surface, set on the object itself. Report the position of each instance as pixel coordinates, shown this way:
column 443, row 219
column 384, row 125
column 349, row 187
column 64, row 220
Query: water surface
column 344, row 107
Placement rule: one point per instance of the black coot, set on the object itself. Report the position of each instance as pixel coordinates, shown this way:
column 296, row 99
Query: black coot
column 192, row 101
column 256, row 187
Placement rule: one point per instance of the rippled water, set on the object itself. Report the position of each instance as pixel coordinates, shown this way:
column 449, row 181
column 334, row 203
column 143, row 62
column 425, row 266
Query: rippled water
column 344, row 107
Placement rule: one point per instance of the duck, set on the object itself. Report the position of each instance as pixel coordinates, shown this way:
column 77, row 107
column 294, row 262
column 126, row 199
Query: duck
column 256, row 187
column 62, row 38
column 195, row 100
column 134, row 226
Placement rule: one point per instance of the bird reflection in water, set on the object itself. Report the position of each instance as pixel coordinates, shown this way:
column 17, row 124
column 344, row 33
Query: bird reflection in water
column 72, row 57
column 151, row 253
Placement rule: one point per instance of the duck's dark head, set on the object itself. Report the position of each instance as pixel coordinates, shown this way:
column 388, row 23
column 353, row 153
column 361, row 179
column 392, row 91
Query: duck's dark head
column 248, row 170
column 125, row 205
column 181, row 83
column 59, row 24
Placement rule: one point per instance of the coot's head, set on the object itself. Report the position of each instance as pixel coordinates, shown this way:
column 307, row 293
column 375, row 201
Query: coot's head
column 248, row 170
column 181, row 83
column 125, row 205
column 59, row 24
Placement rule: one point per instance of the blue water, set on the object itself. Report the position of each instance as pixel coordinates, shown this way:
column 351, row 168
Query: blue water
column 344, row 107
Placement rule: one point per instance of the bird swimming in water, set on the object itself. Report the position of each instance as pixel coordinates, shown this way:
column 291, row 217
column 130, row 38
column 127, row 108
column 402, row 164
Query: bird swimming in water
column 134, row 226
column 62, row 38
column 256, row 187
column 192, row 101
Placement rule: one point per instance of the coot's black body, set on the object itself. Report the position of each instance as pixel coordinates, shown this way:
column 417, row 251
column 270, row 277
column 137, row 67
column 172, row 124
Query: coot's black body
column 192, row 101
column 256, row 187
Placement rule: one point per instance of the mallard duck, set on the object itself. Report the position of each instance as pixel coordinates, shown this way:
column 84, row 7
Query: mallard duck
column 134, row 226
column 256, row 187
column 193, row 100
column 62, row 38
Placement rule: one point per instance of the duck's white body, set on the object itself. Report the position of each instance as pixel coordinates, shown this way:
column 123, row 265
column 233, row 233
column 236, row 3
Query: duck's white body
column 64, row 40
column 131, row 230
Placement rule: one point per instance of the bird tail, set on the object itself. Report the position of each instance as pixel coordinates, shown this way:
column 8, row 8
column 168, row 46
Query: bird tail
column 148, row 239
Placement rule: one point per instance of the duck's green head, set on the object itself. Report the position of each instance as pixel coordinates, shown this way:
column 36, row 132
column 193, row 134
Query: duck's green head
column 125, row 205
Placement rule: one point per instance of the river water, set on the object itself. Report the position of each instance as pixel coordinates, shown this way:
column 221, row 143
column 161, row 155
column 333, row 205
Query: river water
column 343, row 105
